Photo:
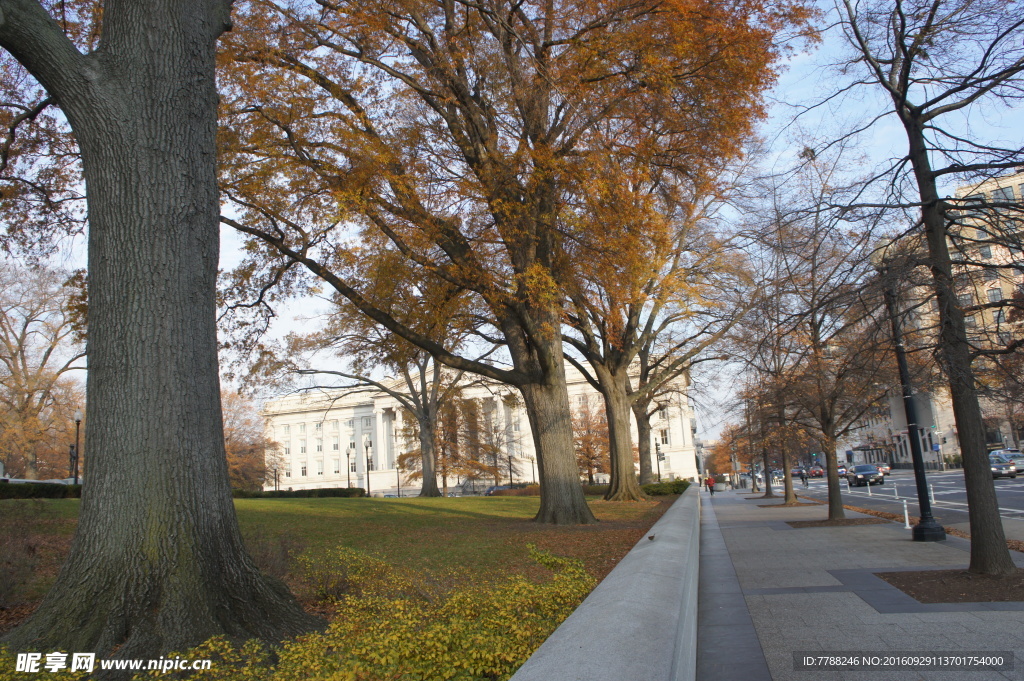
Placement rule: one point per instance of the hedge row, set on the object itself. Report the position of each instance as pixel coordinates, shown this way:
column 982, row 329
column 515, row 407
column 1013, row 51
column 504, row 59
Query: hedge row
column 300, row 493
column 652, row 490
column 39, row 490
column 657, row 489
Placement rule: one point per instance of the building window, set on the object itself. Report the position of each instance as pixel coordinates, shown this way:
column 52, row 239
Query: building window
column 337, row 466
column 318, row 426
column 662, row 413
column 288, row 472
column 302, row 427
column 664, row 436
column 287, row 430
column 287, row 451
column 515, row 426
column 999, row 316
column 965, row 300
column 335, row 443
column 334, row 426
column 970, row 322
column 991, row 275
column 319, row 466
column 367, row 422
column 319, row 445
column 352, row 465
column 302, row 471
column 302, row 448
column 985, row 252
column 351, row 445
column 995, row 295
column 1003, row 194
column 350, row 424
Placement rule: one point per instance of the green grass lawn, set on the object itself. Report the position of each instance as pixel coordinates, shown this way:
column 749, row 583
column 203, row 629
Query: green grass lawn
column 479, row 537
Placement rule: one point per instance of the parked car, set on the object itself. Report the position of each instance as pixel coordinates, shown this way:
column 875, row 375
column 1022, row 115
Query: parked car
column 865, row 474
column 816, row 472
column 842, row 469
column 797, row 470
column 1013, row 455
column 1001, row 466
column 883, row 468
column 494, row 488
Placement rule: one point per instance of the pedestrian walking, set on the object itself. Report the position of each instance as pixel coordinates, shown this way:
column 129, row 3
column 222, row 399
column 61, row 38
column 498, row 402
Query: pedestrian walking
column 710, row 482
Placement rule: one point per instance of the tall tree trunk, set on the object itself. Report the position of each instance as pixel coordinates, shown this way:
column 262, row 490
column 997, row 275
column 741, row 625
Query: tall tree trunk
column 428, row 456
column 768, row 493
column 643, row 441
column 787, row 465
column 835, row 496
column 624, row 485
column 157, row 562
column 561, row 495
column 989, row 553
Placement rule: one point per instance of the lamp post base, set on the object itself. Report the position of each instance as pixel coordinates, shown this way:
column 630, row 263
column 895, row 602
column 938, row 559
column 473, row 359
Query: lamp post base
column 928, row 531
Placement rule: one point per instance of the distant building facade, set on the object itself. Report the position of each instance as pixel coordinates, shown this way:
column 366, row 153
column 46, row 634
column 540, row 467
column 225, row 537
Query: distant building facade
column 354, row 437
column 986, row 245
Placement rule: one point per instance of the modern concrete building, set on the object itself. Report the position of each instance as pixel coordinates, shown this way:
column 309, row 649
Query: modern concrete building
column 340, row 438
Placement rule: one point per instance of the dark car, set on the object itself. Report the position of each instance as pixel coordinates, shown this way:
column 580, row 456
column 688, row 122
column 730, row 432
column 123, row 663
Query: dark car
column 1001, row 466
column 797, row 470
column 1014, row 456
column 816, row 472
column 865, row 474
column 495, row 488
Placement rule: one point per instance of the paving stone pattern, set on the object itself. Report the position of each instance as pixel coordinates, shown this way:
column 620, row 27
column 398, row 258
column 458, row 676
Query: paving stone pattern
column 767, row 591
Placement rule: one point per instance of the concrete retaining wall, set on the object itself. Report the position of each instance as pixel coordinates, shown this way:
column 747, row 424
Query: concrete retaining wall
column 641, row 621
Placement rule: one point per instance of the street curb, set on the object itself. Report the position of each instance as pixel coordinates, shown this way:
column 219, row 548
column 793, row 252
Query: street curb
column 640, row 622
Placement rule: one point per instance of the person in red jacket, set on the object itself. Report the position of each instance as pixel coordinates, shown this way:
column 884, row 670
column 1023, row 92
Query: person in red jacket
column 710, row 482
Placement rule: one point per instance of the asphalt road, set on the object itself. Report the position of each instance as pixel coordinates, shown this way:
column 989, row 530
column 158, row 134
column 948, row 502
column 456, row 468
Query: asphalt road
column 949, row 497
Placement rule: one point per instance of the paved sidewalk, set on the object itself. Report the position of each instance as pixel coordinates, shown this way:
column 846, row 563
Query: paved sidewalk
column 768, row 591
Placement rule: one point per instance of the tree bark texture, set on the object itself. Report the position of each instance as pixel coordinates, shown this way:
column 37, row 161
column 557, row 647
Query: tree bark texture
column 989, row 553
column 561, row 495
column 624, row 485
column 643, row 440
column 768, row 493
column 428, row 454
column 157, row 563
column 835, row 496
column 787, row 465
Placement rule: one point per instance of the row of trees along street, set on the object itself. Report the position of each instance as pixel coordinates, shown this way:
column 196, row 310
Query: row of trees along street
column 467, row 177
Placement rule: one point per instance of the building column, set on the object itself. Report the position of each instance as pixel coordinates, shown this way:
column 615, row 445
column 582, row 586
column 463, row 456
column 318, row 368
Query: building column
column 380, row 459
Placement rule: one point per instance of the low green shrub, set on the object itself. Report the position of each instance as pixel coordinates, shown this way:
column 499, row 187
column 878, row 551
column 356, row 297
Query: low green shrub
column 657, row 489
column 527, row 491
column 300, row 493
column 389, row 628
column 39, row 490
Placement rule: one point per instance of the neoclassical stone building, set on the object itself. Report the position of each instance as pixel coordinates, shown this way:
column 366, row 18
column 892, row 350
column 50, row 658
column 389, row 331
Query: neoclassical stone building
column 340, row 438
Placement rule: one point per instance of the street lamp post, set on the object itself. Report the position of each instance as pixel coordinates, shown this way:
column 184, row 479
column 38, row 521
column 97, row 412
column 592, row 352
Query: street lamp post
column 368, row 445
column 657, row 457
column 927, row 529
column 398, row 476
column 78, row 427
column 348, row 463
